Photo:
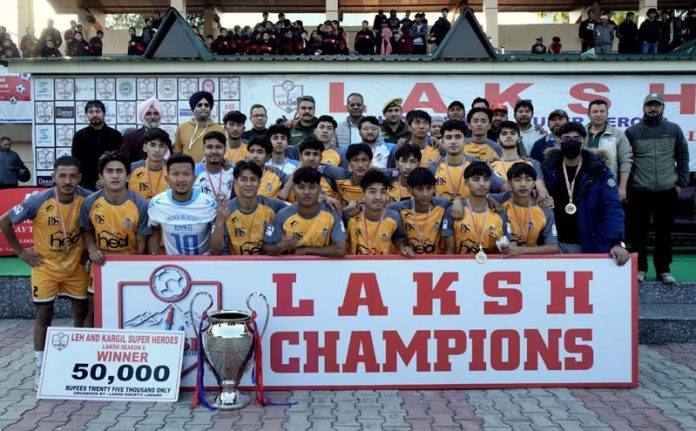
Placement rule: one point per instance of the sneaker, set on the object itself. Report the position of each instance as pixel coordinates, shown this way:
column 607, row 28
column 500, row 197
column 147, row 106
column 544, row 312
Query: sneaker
column 667, row 278
column 641, row 276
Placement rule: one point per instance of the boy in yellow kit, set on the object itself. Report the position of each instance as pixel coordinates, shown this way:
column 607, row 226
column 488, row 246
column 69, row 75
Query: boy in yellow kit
column 375, row 229
column 147, row 176
column 57, row 268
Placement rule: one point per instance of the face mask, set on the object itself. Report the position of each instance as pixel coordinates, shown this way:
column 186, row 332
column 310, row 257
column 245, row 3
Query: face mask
column 570, row 149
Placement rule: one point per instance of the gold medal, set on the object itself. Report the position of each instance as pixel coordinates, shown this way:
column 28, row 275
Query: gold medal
column 481, row 257
column 571, row 209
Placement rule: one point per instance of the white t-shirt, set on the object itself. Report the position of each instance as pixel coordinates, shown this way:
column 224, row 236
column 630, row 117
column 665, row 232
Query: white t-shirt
column 217, row 185
column 185, row 225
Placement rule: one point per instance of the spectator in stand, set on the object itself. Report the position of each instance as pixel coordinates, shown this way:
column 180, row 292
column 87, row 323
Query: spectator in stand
column 419, row 31
column 649, row 33
column 365, row 40
column 328, row 39
column 393, row 22
column 220, row 45
column 385, row 47
column 135, row 44
column 440, row 28
column 303, row 44
column 50, row 33
column 314, row 43
column 267, row 46
column 12, row 169
column 209, row 42
column 341, row 41
column 156, row 20
column 96, row 44
column 539, row 47
column 148, row 32
column 29, row 44
column 3, row 33
column 286, row 45
column 50, row 50
column 604, row 35
column 78, row 47
column 586, row 31
column 252, row 48
column 406, row 21
column 9, row 49
column 627, row 33
column 671, row 30
column 689, row 27
column 69, row 35
column 404, row 45
column 556, row 46
column 379, row 19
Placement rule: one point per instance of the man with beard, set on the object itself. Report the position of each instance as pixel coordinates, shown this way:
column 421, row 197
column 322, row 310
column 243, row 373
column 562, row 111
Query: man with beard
column 149, row 114
column 456, row 111
column 500, row 114
column 588, row 214
column 556, row 119
column 348, row 131
column 188, row 138
column 258, row 117
column 382, row 153
column 304, row 123
column 612, row 141
column 393, row 128
column 94, row 140
column 659, row 172
column 529, row 133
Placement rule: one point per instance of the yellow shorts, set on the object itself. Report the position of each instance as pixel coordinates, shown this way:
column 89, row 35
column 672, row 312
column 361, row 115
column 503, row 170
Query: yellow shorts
column 46, row 287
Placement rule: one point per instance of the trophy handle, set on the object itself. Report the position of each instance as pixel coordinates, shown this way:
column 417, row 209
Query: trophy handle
column 211, row 302
column 268, row 309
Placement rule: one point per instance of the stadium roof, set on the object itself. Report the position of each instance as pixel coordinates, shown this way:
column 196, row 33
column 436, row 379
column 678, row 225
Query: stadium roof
column 348, row 6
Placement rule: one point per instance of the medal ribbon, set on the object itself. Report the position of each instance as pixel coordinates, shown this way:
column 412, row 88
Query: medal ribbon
column 571, row 185
column 455, row 193
column 212, row 186
column 524, row 232
column 474, row 225
column 371, row 244
column 60, row 216
column 421, row 239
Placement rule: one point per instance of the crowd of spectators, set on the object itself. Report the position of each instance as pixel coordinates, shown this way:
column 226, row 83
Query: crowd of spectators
column 50, row 41
column 653, row 36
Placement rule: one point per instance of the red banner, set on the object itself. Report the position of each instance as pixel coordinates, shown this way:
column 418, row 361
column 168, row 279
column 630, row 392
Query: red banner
column 8, row 199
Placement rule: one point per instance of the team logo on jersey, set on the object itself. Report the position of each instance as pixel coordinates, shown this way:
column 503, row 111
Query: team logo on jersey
column 324, row 233
column 384, row 237
column 128, row 223
column 269, row 230
column 436, row 226
column 269, row 187
column 52, row 221
column 99, row 219
column 239, row 231
column 18, row 209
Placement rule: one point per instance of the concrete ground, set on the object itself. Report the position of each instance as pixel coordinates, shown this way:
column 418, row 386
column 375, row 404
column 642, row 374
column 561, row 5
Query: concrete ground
column 665, row 400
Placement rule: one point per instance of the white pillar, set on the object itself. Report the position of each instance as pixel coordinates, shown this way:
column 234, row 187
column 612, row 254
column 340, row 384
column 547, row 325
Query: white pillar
column 490, row 10
column 179, row 5
column 331, row 9
column 209, row 25
column 25, row 18
column 575, row 16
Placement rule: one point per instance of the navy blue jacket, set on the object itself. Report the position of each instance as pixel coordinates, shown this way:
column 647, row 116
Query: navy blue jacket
column 600, row 216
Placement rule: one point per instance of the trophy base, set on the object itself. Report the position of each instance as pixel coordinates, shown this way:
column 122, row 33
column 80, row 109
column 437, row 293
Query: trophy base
column 233, row 400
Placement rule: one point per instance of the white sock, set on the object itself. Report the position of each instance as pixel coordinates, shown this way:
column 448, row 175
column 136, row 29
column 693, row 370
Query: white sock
column 39, row 357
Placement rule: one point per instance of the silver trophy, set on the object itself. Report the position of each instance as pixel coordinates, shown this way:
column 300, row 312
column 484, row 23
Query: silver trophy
column 228, row 344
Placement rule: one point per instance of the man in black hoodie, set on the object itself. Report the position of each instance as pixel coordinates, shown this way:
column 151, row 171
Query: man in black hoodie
column 649, row 33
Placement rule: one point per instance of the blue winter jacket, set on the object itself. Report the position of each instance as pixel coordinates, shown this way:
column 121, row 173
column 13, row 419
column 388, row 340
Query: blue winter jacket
column 600, row 216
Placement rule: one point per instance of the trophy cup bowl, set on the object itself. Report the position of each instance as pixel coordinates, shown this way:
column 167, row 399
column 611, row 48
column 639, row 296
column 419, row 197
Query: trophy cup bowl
column 229, row 345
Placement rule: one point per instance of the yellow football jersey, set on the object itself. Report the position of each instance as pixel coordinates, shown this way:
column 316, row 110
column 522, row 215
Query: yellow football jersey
column 61, row 250
column 484, row 229
column 449, row 181
column 145, row 182
column 530, row 226
column 398, row 192
column 244, row 231
column 367, row 237
column 236, row 155
column 424, row 230
column 480, row 151
column 321, row 230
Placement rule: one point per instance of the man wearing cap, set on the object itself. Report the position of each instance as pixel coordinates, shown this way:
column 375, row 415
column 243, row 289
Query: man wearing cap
column 529, row 133
column 660, row 170
column 304, row 123
column 149, row 113
column 500, row 114
column 610, row 141
column 556, row 119
column 604, row 35
column 394, row 129
column 189, row 135
column 456, row 111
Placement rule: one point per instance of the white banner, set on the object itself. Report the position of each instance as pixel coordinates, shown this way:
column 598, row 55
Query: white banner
column 624, row 93
column 440, row 322
column 100, row 365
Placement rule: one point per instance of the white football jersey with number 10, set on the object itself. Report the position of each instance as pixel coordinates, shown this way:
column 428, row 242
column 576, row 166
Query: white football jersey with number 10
column 185, row 226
